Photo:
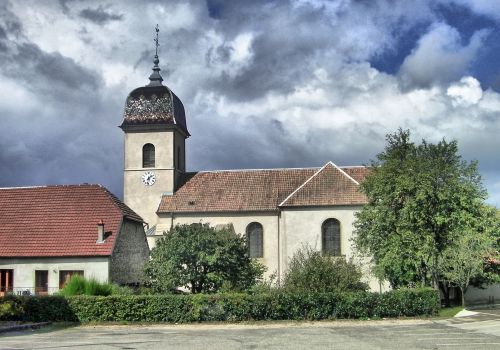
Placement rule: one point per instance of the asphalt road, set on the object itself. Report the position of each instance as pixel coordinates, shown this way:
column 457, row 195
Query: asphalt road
column 481, row 331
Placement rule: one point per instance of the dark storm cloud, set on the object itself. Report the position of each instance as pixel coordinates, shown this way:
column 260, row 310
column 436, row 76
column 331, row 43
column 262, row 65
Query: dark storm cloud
column 283, row 53
column 99, row 15
column 51, row 70
column 68, row 100
column 39, row 70
column 266, row 143
column 56, row 117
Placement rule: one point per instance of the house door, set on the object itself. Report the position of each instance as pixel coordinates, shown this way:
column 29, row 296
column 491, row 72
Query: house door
column 6, row 281
column 41, row 282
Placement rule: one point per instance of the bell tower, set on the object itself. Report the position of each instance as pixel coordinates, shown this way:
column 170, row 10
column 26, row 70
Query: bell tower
column 155, row 130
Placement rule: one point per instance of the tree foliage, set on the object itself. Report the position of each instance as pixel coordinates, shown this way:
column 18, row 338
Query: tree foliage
column 309, row 271
column 201, row 259
column 421, row 200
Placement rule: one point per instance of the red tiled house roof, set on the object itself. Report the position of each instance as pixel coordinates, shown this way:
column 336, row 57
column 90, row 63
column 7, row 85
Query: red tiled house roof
column 59, row 221
column 263, row 190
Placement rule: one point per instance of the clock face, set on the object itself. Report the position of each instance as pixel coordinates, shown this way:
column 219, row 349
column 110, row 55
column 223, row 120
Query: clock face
column 148, row 178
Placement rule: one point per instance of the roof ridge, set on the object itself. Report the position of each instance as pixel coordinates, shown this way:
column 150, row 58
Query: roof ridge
column 49, row 186
column 342, row 171
column 243, row 170
column 298, row 188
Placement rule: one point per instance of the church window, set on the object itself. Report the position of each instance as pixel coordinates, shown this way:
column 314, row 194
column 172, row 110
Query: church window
column 255, row 240
column 330, row 237
column 148, row 156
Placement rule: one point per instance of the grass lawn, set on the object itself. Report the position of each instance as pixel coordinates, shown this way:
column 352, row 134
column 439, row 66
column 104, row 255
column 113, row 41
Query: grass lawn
column 448, row 312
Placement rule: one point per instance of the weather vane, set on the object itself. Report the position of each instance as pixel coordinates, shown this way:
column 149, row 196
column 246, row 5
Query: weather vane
column 156, row 39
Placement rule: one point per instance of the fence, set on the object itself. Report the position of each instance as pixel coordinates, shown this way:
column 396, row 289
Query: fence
column 27, row 291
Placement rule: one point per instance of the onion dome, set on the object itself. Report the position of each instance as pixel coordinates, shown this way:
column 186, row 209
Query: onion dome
column 154, row 105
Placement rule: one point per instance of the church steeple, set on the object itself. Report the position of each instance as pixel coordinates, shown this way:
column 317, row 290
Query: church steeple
column 154, row 104
column 155, row 77
column 155, row 130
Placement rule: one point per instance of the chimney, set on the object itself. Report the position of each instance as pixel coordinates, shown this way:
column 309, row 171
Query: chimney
column 100, row 232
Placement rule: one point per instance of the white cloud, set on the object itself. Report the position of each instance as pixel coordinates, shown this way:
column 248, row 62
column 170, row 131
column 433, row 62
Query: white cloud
column 439, row 57
column 489, row 8
column 466, row 92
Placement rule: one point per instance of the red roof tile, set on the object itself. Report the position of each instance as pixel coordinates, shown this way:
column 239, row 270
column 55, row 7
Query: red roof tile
column 59, row 220
column 329, row 186
column 247, row 190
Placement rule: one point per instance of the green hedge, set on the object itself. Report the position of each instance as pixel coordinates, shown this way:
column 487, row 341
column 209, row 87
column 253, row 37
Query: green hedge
column 228, row 307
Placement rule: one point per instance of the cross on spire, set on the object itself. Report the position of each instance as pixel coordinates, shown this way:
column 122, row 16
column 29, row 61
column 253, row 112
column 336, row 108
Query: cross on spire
column 155, row 77
column 156, row 40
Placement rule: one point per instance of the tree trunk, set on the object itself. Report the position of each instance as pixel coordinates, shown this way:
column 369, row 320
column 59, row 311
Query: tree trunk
column 463, row 291
column 445, row 289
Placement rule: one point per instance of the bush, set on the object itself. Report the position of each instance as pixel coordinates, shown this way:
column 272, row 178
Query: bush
column 308, row 271
column 229, row 307
column 201, row 259
column 10, row 309
column 75, row 286
column 78, row 285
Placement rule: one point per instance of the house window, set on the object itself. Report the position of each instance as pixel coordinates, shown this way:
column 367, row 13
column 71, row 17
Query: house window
column 330, row 237
column 41, row 282
column 6, row 281
column 255, row 240
column 65, row 276
column 148, row 156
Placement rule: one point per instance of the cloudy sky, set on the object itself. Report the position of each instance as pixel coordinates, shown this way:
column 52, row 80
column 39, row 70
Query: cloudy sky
column 265, row 83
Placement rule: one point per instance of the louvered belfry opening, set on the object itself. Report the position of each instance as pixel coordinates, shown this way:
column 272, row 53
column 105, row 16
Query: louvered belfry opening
column 148, row 156
column 330, row 237
column 255, row 240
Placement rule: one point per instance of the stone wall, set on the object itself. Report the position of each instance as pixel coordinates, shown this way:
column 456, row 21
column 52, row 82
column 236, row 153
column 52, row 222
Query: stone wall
column 130, row 254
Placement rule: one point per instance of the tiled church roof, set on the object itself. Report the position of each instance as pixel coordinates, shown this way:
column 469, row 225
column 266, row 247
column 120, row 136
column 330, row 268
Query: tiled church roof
column 266, row 190
column 58, row 221
column 329, row 186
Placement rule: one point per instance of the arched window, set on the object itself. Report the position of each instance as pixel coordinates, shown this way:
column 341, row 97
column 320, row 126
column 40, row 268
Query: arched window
column 330, row 237
column 148, row 156
column 255, row 240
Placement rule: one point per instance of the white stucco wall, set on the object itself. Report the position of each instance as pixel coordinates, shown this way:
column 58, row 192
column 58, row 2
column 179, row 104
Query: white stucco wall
column 240, row 221
column 301, row 226
column 24, row 269
column 284, row 234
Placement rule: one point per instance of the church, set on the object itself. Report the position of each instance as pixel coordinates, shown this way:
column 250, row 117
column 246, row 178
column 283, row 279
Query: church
column 278, row 210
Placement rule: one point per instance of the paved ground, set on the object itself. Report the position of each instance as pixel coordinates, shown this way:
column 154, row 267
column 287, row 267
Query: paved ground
column 481, row 331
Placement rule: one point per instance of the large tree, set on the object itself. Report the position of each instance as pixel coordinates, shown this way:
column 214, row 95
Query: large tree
column 201, row 259
column 466, row 258
column 421, row 198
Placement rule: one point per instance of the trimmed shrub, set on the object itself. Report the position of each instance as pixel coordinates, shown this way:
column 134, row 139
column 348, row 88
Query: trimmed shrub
column 309, row 271
column 10, row 309
column 229, row 307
